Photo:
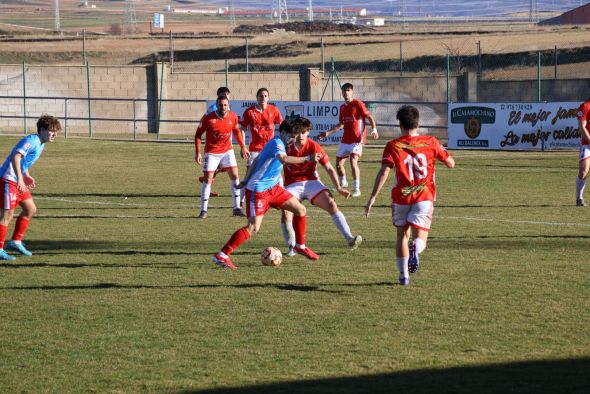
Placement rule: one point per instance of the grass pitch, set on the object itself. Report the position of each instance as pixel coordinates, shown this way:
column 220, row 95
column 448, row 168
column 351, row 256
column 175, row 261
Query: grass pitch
column 121, row 295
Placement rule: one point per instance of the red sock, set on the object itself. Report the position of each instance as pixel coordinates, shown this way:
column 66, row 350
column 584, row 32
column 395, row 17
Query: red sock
column 20, row 228
column 3, row 231
column 238, row 238
column 299, row 224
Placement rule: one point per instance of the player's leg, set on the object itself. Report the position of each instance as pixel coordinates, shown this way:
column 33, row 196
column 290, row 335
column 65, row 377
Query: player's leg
column 20, row 227
column 5, row 218
column 235, row 192
column 325, row 201
column 584, row 167
column 399, row 216
column 210, row 164
column 420, row 219
column 341, row 171
column 356, row 174
column 288, row 231
column 255, row 215
column 299, row 225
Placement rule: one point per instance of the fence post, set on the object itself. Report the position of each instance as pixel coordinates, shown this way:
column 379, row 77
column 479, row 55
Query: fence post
column 247, row 57
column 134, row 122
column 322, row 55
column 539, row 76
column 66, row 118
column 226, row 73
column 171, row 46
column 160, row 99
column 555, row 63
column 448, row 78
column 89, row 98
column 479, row 60
column 84, row 46
column 24, row 99
column 401, row 59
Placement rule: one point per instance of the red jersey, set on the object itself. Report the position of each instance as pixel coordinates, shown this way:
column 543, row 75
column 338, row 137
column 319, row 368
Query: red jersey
column 217, row 132
column 261, row 125
column 413, row 159
column 305, row 171
column 352, row 116
column 584, row 114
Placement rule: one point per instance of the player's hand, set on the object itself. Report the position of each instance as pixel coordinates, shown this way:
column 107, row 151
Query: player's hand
column 374, row 133
column 323, row 135
column 199, row 159
column 245, row 153
column 314, row 157
column 343, row 192
column 369, row 206
column 21, row 186
column 30, row 182
column 240, row 185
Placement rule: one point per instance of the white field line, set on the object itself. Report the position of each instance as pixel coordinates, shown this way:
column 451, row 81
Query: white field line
column 312, row 209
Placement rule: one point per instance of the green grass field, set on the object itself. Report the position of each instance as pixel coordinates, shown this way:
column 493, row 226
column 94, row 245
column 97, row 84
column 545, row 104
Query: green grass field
column 121, row 294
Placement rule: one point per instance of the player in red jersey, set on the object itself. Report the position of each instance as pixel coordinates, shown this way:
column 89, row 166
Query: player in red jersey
column 302, row 181
column 221, row 91
column 353, row 117
column 414, row 191
column 584, row 166
column 219, row 152
column 260, row 120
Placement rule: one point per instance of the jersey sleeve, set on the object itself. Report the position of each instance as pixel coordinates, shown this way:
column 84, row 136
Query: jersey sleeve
column 583, row 110
column 246, row 120
column 440, row 153
column 278, row 117
column 363, row 109
column 325, row 159
column 387, row 157
column 24, row 146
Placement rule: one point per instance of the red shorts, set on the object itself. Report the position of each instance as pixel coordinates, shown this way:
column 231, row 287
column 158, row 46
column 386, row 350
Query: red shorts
column 258, row 203
column 10, row 196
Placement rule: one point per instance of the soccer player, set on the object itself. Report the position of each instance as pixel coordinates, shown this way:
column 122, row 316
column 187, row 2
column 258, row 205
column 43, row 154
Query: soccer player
column 260, row 120
column 303, row 182
column 17, row 183
column 221, row 91
column 414, row 191
column 353, row 117
column 219, row 152
column 263, row 191
column 584, row 165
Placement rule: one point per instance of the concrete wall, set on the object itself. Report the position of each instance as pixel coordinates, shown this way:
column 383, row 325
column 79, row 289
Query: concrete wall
column 192, row 89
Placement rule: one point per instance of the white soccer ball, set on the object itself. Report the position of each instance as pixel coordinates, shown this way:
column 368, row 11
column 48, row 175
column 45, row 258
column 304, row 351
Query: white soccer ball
column 271, row 256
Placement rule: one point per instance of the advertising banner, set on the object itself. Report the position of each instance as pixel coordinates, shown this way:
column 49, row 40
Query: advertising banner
column 514, row 126
column 322, row 114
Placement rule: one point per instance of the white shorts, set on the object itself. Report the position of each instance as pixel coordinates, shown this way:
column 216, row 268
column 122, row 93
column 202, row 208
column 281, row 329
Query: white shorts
column 584, row 152
column 417, row 215
column 253, row 155
column 345, row 150
column 306, row 190
column 221, row 160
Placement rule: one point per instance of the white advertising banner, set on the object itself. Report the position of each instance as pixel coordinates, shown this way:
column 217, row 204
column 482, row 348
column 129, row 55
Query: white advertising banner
column 322, row 114
column 514, row 126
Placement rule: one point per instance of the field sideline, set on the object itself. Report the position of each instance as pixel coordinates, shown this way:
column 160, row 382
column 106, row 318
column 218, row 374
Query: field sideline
column 121, row 295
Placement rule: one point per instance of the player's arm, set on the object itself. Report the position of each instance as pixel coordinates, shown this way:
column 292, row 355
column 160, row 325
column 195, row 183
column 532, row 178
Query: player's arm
column 16, row 160
column 583, row 131
column 325, row 134
column 374, row 132
column 284, row 159
column 379, row 182
column 198, row 140
column 334, row 178
column 449, row 162
column 245, row 153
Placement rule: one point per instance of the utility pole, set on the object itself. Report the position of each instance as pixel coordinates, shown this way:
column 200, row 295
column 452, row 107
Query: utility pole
column 130, row 16
column 232, row 15
column 57, row 22
column 310, row 11
column 279, row 11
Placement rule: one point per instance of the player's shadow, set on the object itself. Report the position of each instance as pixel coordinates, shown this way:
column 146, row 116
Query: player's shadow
column 88, row 265
column 321, row 288
column 117, row 195
column 544, row 376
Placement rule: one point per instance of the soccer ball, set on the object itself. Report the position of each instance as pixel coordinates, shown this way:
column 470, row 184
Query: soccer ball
column 271, row 256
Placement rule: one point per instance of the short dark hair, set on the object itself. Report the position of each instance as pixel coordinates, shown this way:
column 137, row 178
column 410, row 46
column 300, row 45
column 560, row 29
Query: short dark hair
column 48, row 122
column 286, row 126
column 262, row 90
column 221, row 97
column 347, row 85
column 223, row 91
column 408, row 117
column 301, row 125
